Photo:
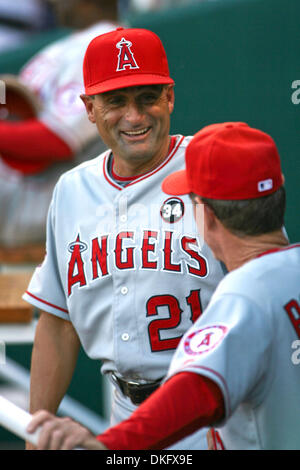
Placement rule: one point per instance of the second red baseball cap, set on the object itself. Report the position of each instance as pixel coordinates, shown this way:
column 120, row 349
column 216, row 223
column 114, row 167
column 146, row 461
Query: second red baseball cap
column 228, row 161
column 124, row 58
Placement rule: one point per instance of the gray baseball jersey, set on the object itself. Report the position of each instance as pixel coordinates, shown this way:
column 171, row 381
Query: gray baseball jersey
column 247, row 341
column 125, row 265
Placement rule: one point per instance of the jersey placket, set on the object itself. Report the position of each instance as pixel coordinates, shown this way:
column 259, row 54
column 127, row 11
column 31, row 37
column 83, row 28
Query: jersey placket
column 124, row 288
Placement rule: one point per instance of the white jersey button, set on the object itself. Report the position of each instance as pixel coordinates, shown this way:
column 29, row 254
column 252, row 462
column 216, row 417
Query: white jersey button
column 125, row 336
column 123, row 218
column 124, row 290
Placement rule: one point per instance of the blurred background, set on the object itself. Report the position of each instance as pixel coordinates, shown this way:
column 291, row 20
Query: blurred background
column 232, row 60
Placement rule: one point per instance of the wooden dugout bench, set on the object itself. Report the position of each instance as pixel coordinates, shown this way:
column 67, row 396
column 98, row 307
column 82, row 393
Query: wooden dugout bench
column 16, row 267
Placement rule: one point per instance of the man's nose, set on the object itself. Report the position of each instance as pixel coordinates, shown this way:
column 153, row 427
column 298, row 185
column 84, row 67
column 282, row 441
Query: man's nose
column 133, row 112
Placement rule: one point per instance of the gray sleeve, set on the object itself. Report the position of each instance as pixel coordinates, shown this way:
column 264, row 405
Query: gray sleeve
column 229, row 344
column 45, row 290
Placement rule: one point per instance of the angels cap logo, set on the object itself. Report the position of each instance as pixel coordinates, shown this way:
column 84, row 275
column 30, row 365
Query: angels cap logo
column 125, row 57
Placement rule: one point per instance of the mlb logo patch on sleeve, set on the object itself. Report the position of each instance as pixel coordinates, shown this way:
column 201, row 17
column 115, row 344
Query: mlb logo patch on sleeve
column 202, row 341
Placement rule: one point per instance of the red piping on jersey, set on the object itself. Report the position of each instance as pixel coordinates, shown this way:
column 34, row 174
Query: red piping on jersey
column 172, row 150
column 47, row 303
column 105, row 175
column 220, row 377
column 217, row 441
column 275, row 250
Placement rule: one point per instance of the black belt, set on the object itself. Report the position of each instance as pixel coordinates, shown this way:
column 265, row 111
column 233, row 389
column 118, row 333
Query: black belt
column 135, row 391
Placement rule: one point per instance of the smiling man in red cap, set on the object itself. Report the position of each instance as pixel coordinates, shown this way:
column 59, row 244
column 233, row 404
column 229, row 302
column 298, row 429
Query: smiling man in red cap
column 235, row 368
column 130, row 97
column 126, row 273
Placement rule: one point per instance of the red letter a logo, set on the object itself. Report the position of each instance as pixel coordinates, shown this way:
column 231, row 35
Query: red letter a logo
column 76, row 262
column 206, row 340
column 125, row 57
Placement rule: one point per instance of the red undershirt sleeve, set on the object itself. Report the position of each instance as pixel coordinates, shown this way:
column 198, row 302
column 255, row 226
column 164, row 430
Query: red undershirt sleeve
column 31, row 140
column 182, row 405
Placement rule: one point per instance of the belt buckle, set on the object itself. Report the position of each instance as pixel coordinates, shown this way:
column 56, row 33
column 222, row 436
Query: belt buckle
column 132, row 389
column 131, row 382
column 124, row 385
column 135, row 392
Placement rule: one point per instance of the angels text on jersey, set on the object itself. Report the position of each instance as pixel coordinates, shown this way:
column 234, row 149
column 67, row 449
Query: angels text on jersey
column 123, row 256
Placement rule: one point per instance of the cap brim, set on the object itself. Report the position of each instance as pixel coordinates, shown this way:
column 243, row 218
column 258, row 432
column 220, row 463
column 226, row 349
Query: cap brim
column 128, row 81
column 176, row 184
column 13, row 83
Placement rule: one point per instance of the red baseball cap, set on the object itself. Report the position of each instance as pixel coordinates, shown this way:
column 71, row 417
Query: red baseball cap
column 228, row 161
column 124, row 58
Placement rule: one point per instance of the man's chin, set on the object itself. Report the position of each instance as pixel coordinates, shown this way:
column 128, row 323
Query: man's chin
column 138, row 153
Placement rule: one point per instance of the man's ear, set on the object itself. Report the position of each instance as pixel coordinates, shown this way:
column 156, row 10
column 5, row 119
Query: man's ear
column 88, row 102
column 170, row 97
column 209, row 215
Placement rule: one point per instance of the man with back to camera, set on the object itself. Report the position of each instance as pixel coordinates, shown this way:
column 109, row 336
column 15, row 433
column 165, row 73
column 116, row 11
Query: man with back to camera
column 234, row 367
column 126, row 273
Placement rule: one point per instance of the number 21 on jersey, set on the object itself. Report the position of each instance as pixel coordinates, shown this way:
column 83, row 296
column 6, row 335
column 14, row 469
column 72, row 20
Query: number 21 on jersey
column 153, row 306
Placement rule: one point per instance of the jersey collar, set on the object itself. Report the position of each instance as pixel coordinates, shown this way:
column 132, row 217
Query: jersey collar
column 275, row 250
column 109, row 176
